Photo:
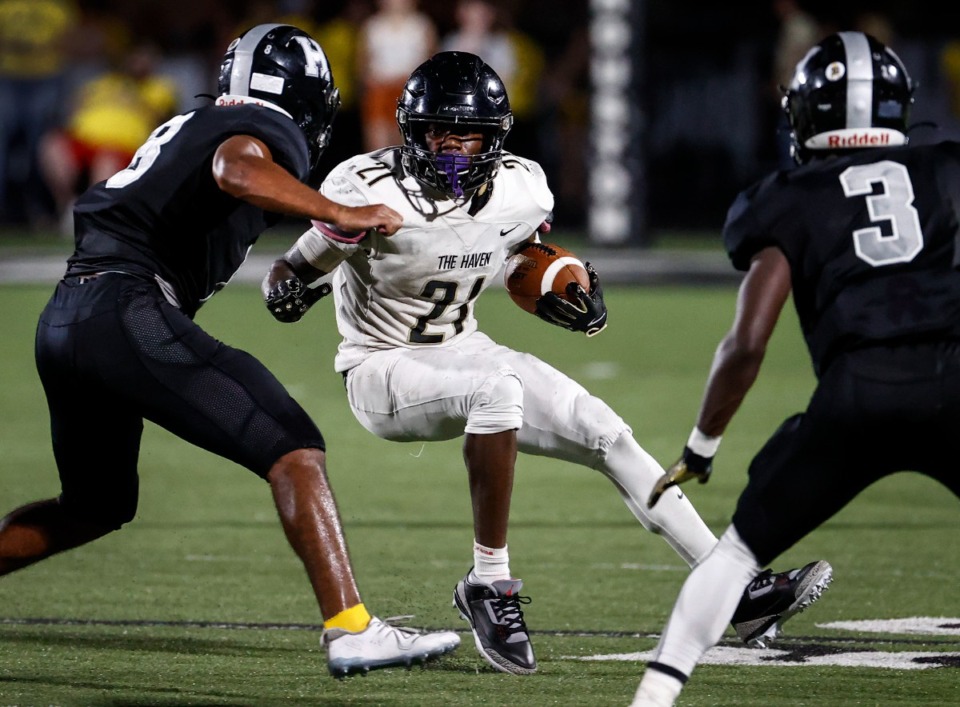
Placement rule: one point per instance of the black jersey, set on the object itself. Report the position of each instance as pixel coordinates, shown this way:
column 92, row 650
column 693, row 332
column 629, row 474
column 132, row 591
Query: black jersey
column 165, row 216
column 871, row 239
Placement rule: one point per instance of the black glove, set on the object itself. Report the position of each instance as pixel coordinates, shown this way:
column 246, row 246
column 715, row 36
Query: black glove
column 587, row 314
column 289, row 299
column 689, row 466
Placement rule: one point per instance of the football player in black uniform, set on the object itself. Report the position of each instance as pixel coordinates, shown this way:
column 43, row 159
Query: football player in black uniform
column 865, row 234
column 117, row 343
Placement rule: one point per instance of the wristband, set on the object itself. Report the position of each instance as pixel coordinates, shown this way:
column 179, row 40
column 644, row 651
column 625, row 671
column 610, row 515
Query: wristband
column 703, row 445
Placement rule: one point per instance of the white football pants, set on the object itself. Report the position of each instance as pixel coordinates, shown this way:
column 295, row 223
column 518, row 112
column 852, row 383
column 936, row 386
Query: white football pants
column 477, row 386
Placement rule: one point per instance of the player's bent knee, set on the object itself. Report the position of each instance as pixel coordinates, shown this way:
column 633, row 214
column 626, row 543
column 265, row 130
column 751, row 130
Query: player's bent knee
column 605, row 426
column 107, row 516
column 499, row 404
column 299, row 462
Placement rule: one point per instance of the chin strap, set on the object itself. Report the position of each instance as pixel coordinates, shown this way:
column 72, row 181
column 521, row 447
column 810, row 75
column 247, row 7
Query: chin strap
column 451, row 166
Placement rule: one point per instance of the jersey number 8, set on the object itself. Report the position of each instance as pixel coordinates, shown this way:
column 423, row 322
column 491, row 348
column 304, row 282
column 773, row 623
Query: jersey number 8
column 148, row 152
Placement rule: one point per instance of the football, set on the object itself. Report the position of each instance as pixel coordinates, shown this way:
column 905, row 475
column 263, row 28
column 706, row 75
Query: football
column 538, row 268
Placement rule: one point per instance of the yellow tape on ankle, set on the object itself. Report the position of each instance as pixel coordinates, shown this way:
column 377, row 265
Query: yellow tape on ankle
column 354, row 619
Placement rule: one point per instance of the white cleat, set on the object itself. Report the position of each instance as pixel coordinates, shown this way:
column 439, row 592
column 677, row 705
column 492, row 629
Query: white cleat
column 381, row 645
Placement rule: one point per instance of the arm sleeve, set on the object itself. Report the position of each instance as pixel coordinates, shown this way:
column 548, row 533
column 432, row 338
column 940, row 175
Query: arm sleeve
column 321, row 252
column 317, row 249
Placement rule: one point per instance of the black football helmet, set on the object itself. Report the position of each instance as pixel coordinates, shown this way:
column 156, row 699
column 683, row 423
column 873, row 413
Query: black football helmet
column 849, row 92
column 284, row 66
column 460, row 89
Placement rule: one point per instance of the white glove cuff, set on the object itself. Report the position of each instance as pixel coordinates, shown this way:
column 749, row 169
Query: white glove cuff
column 703, row 445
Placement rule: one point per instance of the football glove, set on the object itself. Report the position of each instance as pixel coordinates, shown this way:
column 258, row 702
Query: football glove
column 290, row 299
column 587, row 314
column 689, row 466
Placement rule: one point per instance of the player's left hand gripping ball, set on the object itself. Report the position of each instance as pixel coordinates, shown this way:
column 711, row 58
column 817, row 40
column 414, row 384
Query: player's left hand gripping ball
column 689, row 466
column 290, row 299
column 580, row 310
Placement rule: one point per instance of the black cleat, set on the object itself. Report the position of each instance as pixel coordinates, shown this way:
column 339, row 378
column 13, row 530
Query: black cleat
column 770, row 599
column 497, row 622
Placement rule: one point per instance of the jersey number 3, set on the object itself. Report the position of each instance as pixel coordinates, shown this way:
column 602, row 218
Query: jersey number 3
column 893, row 204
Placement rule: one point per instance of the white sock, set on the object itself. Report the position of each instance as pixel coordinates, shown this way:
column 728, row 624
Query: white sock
column 634, row 472
column 707, row 601
column 489, row 563
column 657, row 690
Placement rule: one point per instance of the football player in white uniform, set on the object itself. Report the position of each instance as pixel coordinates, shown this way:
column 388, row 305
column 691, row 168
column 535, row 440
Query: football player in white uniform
column 415, row 364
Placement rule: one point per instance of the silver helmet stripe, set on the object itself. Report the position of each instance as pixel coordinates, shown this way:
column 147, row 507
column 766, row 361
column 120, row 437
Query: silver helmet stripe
column 859, row 79
column 243, row 58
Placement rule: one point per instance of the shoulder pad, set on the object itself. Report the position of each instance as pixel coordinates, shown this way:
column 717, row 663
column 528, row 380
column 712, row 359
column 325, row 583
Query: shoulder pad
column 367, row 175
column 523, row 176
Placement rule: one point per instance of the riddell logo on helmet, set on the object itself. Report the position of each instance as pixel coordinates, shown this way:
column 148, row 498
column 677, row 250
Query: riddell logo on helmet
column 232, row 100
column 853, row 138
column 858, row 140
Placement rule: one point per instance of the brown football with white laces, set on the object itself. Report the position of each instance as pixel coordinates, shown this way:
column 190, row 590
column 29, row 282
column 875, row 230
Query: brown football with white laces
column 539, row 268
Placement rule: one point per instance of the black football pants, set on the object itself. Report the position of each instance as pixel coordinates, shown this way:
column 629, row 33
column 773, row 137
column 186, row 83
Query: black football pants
column 875, row 412
column 111, row 351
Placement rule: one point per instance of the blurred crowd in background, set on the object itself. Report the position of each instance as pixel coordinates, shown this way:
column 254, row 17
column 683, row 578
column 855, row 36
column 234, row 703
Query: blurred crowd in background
column 84, row 82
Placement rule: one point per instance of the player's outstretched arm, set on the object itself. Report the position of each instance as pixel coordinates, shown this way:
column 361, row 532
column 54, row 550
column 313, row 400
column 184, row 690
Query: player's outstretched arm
column 243, row 167
column 736, row 364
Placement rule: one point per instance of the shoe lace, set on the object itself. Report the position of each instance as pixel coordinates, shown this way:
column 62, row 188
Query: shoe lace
column 762, row 580
column 398, row 623
column 508, row 612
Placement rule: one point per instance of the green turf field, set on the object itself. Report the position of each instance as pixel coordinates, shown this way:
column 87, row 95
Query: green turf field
column 200, row 601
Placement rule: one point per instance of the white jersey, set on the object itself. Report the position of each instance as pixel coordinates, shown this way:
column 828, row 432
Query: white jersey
column 418, row 368
column 418, row 287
